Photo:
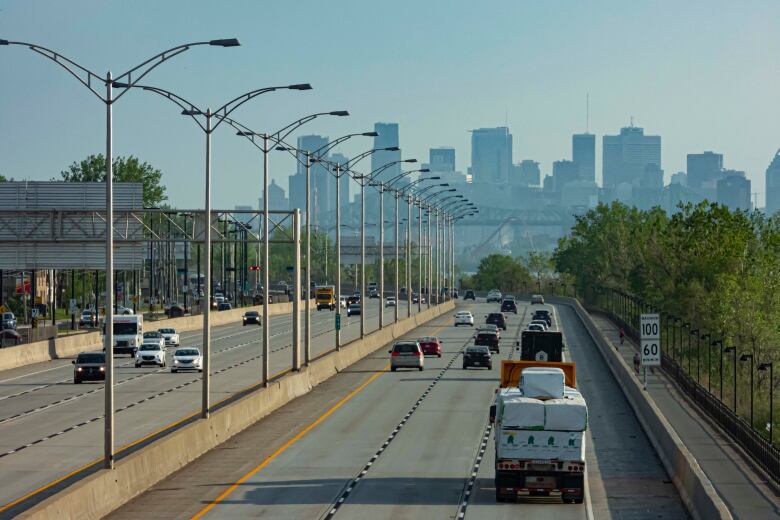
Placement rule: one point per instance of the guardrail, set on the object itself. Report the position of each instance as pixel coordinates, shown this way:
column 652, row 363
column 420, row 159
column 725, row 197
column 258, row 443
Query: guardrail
column 761, row 451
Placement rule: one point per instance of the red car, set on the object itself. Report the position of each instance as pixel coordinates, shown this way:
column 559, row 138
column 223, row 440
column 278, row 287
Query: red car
column 430, row 345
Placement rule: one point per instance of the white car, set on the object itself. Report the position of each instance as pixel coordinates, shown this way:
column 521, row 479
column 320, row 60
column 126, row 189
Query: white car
column 187, row 358
column 390, row 301
column 494, row 296
column 154, row 336
column 150, row 354
column 464, row 318
column 540, row 322
column 343, row 302
column 536, row 327
column 170, row 336
column 123, row 311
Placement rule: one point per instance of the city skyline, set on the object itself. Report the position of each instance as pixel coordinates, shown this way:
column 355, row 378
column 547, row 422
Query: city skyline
column 690, row 104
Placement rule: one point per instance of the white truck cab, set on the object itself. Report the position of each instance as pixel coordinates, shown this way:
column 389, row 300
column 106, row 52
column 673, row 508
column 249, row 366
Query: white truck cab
column 128, row 334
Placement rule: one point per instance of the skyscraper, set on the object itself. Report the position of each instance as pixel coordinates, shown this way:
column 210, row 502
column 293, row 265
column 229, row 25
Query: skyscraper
column 526, row 173
column 733, row 190
column 491, row 155
column 704, row 171
column 343, row 184
column 442, row 160
column 564, row 172
column 583, row 151
column 773, row 185
column 626, row 155
column 321, row 181
column 387, row 138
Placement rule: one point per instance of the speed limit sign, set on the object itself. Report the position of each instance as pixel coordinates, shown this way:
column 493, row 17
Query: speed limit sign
column 650, row 325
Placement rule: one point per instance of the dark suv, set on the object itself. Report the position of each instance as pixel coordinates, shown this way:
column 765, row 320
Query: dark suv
column 469, row 295
column 509, row 306
column 8, row 321
column 543, row 314
column 488, row 339
column 496, row 318
column 89, row 366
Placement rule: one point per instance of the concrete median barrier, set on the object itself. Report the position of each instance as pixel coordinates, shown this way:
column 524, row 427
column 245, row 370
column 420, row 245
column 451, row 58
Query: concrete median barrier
column 694, row 487
column 71, row 345
column 100, row 493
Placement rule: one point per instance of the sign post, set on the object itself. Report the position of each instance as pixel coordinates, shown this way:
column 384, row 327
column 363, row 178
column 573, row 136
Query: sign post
column 650, row 344
column 338, row 321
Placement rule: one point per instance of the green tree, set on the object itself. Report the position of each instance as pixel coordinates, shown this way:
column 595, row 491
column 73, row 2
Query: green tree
column 4, row 179
column 126, row 169
column 499, row 271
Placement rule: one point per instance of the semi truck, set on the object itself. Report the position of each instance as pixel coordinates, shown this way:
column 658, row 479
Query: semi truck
column 539, row 421
column 325, row 295
column 541, row 346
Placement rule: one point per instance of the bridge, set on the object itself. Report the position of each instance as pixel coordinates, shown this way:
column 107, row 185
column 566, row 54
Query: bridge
column 347, row 438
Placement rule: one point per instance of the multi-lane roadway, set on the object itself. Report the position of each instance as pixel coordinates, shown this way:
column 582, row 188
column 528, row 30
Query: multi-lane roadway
column 51, row 430
column 370, row 443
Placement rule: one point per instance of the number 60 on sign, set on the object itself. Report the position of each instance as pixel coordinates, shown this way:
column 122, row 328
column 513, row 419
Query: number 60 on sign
column 650, row 339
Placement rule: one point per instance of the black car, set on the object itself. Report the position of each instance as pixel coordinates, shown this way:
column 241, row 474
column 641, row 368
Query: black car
column 509, row 306
column 89, row 366
column 224, row 307
column 488, row 339
column 175, row 311
column 477, row 356
column 469, row 295
column 252, row 317
column 543, row 314
column 354, row 298
column 496, row 318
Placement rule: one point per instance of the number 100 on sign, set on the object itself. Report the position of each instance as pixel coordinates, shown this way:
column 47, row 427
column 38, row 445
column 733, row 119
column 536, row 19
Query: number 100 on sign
column 650, row 339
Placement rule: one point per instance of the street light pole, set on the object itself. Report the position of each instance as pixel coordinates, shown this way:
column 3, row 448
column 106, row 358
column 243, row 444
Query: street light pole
column 733, row 351
column 266, row 278
column 745, row 357
column 307, row 305
column 108, row 428
column 429, row 250
column 381, row 257
column 397, row 197
column 762, row 367
column 420, row 260
column 338, row 253
column 408, row 257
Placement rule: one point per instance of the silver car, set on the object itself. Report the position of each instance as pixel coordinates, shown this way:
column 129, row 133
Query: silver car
column 406, row 354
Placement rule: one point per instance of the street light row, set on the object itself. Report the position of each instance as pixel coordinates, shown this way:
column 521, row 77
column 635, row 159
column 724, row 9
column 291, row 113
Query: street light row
column 209, row 120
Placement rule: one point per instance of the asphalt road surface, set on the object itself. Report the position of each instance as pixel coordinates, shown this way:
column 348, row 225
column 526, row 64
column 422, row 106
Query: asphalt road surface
column 51, row 428
column 370, row 443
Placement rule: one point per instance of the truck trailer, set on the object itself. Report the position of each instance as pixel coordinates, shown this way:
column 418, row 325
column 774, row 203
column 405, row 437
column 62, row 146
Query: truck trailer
column 539, row 421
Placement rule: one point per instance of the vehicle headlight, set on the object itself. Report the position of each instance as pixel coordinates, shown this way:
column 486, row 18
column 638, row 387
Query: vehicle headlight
column 175, row 361
column 102, row 369
column 78, row 369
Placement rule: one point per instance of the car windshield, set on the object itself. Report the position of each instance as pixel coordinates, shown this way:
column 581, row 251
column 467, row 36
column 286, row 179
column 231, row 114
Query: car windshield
column 428, row 339
column 405, row 347
column 126, row 329
column 153, row 334
column 252, row 314
column 464, row 314
column 354, row 306
column 166, row 331
column 147, row 346
column 476, row 350
column 92, row 357
column 8, row 316
column 187, row 352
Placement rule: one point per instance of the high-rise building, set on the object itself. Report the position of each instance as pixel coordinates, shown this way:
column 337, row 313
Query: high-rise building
column 387, row 138
column 704, row 171
column 773, row 185
column 625, row 156
column 680, row 178
column 564, row 172
column 276, row 198
column 320, row 181
column 733, row 190
column 583, row 151
column 442, row 160
column 491, row 155
column 343, row 183
column 525, row 173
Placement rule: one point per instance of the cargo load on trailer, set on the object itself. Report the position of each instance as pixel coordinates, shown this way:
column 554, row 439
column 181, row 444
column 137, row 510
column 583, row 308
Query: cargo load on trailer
column 539, row 421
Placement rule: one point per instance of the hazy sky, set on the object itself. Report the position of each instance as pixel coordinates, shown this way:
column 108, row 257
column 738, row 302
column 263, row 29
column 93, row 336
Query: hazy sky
column 703, row 74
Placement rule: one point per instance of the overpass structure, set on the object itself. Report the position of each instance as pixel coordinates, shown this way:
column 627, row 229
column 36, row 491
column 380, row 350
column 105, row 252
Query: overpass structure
column 365, row 442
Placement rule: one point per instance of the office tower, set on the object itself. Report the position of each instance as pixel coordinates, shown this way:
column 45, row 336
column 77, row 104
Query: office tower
column 343, row 184
column 564, row 172
column 442, row 160
column 296, row 188
column 276, row 198
column 773, row 185
column 526, row 173
column 733, row 190
column 704, row 171
column 680, row 178
column 626, row 155
column 583, row 150
column 491, row 155
column 321, row 185
column 387, row 138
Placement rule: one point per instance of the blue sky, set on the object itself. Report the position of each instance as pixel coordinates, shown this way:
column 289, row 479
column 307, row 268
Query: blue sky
column 703, row 74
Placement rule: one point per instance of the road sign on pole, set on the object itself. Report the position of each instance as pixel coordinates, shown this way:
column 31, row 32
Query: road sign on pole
column 650, row 334
column 338, row 321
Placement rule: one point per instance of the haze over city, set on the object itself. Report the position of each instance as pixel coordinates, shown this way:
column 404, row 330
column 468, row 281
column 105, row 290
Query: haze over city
column 699, row 74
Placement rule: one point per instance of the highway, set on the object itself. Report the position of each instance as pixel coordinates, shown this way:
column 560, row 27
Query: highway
column 51, row 428
column 374, row 443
